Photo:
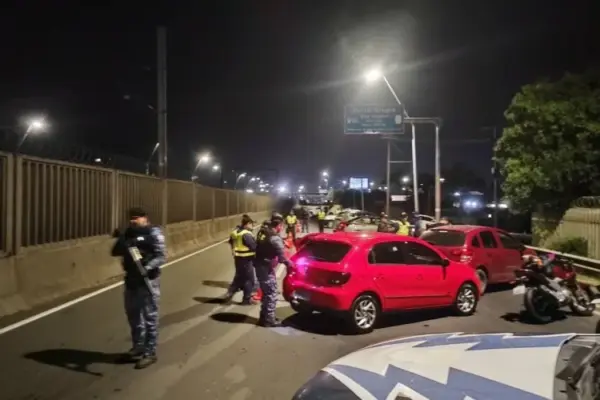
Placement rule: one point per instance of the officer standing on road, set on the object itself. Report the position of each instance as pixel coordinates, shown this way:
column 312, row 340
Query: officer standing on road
column 403, row 225
column 142, row 289
column 304, row 216
column 321, row 220
column 291, row 222
column 270, row 252
column 244, row 249
column 386, row 226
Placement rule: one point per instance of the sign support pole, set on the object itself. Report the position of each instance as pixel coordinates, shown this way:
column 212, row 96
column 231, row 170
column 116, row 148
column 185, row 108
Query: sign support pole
column 414, row 167
column 387, row 176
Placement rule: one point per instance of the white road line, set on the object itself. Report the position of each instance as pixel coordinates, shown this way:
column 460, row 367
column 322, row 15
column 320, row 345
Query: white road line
column 68, row 304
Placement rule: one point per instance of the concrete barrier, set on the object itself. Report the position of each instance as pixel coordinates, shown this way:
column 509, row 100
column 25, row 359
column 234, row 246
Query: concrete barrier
column 48, row 273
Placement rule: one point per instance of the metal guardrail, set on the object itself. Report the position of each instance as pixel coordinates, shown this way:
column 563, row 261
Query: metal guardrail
column 587, row 264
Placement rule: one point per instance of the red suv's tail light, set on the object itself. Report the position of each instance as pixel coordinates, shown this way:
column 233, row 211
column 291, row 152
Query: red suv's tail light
column 327, row 278
column 463, row 255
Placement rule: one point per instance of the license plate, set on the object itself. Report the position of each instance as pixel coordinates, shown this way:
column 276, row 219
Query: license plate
column 519, row 290
column 302, row 295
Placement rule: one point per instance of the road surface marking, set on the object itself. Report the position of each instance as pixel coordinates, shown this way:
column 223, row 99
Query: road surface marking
column 157, row 383
column 70, row 303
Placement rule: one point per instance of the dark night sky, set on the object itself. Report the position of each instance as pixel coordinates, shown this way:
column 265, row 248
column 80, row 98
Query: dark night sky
column 263, row 83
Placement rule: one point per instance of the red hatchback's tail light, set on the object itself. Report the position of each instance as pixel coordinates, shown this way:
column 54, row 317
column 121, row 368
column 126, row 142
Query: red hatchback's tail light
column 322, row 277
column 462, row 255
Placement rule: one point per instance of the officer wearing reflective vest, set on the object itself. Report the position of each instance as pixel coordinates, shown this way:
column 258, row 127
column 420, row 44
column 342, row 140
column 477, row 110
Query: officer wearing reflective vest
column 270, row 252
column 321, row 220
column 403, row 225
column 291, row 220
column 143, row 251
column 243, row 246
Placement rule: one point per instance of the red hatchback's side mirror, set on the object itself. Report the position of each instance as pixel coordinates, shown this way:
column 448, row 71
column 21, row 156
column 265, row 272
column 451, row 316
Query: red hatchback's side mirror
column 445, row 262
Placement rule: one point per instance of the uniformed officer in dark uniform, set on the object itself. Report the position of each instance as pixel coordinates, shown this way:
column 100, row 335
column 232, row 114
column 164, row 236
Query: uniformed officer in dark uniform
column 270, row 253
column 142, row 288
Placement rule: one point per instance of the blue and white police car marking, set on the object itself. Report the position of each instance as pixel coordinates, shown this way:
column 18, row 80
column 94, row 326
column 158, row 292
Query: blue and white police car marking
column 454, row 366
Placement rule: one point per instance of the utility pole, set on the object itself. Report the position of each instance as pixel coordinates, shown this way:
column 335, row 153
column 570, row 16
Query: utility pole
column 161, row 104
column 495, row 177
column 494, row 171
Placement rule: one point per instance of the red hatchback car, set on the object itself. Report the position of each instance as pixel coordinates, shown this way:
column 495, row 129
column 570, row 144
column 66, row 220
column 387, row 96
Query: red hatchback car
column 362, row 274
column 491, row 252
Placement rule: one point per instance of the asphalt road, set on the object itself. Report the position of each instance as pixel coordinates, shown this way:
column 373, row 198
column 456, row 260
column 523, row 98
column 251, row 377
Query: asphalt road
column 208, row 350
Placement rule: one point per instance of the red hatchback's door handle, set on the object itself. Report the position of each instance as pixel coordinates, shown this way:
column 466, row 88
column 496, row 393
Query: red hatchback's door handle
column 380, row 276
column 420, row 277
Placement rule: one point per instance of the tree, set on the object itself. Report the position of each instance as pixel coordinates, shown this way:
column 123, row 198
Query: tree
column 549, row 154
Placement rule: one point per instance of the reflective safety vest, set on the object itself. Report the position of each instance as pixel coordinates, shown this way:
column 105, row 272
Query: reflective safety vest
column 239, row 248
column 291, row 220
column 403, row 228
column 321, row 215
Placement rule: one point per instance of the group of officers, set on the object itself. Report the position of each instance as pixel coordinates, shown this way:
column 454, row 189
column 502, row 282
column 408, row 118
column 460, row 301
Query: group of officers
column 256, row 260
column 141, row 247
column 143, row 251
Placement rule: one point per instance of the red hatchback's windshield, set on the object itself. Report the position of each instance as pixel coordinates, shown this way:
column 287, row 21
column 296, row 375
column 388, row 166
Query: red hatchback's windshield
column 324, row 251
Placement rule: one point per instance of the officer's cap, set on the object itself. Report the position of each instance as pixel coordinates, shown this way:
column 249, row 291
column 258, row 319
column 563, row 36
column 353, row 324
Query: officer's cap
column 276, row 218
column 246, row 219
column 137, row 212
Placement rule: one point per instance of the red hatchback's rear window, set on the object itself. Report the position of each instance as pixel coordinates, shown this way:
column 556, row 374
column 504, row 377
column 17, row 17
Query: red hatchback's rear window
column 324, row 251
column 441, row 237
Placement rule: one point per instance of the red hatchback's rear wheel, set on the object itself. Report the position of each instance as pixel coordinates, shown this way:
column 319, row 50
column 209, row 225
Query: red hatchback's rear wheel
column 364, row 313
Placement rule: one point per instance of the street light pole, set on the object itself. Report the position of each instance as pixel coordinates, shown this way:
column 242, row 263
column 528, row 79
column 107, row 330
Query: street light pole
column 414, row 153
column 438, row 179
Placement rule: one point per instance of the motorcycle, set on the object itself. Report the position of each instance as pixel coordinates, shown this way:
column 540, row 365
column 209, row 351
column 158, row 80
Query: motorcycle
column 548, row 284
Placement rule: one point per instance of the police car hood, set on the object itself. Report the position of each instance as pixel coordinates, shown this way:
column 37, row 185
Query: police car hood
column 453, row 366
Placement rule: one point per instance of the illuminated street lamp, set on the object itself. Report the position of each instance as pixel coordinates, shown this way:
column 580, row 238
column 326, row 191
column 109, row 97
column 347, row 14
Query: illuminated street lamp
column 252, row 179
column 204, row 158
column 325, row 174
column 405, row 179
column 216, row 167
column 239, row 178
column 34, row 125
column 373, row 75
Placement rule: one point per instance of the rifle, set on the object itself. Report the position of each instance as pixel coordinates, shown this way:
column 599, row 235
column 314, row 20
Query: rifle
column 136, row 256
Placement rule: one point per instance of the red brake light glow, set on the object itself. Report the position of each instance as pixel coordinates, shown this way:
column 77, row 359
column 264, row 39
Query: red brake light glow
column 322, row 277
column 463, row 255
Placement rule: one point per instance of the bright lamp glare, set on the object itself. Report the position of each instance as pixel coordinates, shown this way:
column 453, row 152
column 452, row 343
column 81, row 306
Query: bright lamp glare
column 373, row 75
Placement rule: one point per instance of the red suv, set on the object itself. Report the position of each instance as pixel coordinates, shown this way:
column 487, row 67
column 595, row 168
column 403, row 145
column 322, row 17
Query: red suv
column 493, row 253
column 359, row 275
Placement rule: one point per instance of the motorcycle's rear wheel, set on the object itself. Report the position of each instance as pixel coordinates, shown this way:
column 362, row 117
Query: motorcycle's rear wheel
column 538, row 306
